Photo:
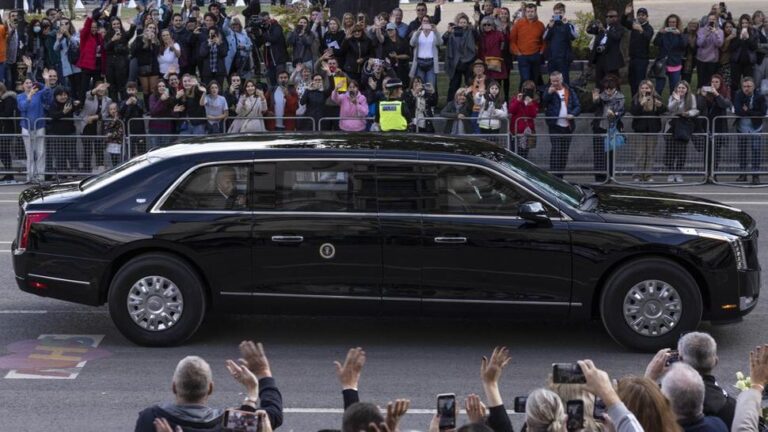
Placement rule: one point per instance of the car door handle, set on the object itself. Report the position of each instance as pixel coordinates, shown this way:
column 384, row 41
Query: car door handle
column 451, row 240
column 287, row 239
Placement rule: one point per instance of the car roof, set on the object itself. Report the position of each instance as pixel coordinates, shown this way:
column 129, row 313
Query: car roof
column 330, row 140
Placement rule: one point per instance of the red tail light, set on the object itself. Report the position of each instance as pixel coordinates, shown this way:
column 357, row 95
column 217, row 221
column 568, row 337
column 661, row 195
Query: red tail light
column 29, row 219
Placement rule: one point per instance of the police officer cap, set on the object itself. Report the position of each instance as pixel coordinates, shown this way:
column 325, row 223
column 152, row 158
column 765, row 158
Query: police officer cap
column 394, row 83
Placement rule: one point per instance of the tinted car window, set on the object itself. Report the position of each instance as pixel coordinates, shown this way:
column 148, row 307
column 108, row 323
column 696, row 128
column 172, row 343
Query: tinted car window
column 462, row 189
column 400, row 187
column 213, row 187
column 324, row 186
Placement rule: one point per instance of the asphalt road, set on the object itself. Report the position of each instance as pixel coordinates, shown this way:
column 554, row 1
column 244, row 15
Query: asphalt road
column 414, row 358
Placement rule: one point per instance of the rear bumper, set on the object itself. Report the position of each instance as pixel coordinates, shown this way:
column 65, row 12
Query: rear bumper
column 65, row 278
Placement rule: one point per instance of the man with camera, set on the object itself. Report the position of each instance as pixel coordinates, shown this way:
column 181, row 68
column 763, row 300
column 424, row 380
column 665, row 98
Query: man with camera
column 606, row 52
column 639, row 44
column 558, row 36
column 268, row 35
column 193, row 384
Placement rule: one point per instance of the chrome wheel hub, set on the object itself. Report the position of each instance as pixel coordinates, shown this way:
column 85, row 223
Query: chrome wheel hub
column 155, row 303
column 652, row 308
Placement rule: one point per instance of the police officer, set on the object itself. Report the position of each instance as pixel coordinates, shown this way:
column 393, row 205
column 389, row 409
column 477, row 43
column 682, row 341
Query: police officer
column 392, row 114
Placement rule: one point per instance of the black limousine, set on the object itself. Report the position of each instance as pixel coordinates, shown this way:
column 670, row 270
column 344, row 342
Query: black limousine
column 374, row 223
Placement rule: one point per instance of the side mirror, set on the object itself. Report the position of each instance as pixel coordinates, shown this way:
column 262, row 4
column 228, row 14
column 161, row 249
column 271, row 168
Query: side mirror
column 533, row 211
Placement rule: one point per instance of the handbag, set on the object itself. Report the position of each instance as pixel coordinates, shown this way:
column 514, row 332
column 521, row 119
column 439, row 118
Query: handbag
column 682, row 129
column 658, row 67
column 613, row 139
column 494, row 64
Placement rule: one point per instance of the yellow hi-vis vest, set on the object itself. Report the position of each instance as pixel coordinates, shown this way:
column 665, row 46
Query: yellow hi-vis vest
column 391, row 116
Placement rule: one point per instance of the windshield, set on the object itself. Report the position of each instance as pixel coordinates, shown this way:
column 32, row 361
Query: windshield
column 556, row 186
column 116, row 172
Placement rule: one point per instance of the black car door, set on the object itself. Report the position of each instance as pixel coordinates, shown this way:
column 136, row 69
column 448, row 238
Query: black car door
column 320, row 246
column 207, row 216
column 478, row 254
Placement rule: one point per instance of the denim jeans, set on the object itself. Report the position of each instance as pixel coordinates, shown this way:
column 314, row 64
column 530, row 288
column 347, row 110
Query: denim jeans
column 637, row 72
column 749, row 140
column 674, row 78
column 530, row 67
column 188, row 128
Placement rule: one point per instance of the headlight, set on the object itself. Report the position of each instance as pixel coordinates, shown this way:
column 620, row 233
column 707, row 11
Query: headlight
column 735, row 241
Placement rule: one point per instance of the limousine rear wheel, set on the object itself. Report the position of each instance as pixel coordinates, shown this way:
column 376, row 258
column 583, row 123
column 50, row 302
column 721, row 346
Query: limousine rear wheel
column 157, row 299
column 647, row 304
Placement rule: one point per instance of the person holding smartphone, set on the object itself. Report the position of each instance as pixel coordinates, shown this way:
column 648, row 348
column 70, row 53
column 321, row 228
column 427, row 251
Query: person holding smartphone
column 743, row 52
column 353, row 107
column 709, row 39
column 671, row 45
column 425, row 44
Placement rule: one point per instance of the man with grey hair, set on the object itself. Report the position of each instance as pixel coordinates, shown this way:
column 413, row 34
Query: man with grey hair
column 193, row 383
column 699, row 350
column 683, row 387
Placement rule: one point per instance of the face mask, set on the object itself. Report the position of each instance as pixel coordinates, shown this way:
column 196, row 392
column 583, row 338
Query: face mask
column 36, row 29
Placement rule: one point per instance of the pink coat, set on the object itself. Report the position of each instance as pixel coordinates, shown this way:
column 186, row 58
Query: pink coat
column 349, row 108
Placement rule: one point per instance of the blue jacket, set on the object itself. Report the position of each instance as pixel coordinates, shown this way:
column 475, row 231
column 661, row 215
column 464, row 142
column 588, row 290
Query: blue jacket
column 33, row 109
column 558, row 39
column 552, row 106
column 755, row 107
column 672, row 46
column 233, row 40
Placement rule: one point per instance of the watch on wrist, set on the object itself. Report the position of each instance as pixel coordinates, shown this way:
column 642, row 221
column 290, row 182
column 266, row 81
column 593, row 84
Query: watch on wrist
column 252, row 400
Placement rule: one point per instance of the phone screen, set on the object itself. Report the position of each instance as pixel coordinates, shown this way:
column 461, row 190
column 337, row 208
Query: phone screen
column 575, row 411
column 240, row 421
column 600, row 409
column 674, row 357
column 446, row 409
column 567, row 373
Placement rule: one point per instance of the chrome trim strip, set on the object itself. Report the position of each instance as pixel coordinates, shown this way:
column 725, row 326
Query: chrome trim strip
column 58, row 279
column 415, row 299
column 164, row 196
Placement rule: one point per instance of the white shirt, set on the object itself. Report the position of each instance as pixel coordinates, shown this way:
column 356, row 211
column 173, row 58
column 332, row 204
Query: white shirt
column 561, row 120
column 167, row 59
column 425, row 45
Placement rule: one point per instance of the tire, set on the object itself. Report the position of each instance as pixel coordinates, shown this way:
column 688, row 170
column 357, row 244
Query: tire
column 173, row 307
column 660, row 279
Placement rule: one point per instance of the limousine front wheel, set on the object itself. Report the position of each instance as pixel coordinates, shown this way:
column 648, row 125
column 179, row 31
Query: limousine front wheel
column 156, row 300
column 647, row 304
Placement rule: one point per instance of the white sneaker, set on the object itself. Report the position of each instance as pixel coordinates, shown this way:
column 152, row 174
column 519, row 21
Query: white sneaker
column 671, row 179
column 679, row 179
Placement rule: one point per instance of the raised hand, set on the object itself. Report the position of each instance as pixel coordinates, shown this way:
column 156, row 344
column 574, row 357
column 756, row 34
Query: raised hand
column 349, row 373
column 475, row 409
column 244, row 376
column 395, row 411
column 256, row 358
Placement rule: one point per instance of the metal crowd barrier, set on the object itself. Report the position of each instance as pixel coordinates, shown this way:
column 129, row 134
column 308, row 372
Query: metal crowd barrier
column 738, row 153
column 333, row 123
column 582, row 154
column 13, row 156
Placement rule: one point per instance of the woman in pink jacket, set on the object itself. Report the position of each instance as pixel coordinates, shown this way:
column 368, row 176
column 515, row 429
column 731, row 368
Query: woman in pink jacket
column 354, row 107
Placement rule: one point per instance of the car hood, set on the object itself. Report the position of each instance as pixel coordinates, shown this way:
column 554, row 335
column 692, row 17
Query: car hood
column 623, row 204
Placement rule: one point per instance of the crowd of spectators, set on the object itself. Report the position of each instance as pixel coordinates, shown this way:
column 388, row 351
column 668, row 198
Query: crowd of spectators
column 678, row 392
column 191, row 69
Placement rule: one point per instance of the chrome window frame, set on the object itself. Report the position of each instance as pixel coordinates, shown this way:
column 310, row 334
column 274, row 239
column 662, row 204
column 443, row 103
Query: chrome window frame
column 157, row 207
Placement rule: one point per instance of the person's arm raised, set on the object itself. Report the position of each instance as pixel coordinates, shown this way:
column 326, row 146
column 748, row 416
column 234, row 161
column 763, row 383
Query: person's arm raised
column 349, row 375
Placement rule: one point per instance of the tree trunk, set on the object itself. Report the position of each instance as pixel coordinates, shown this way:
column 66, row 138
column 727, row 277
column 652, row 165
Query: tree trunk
column 370, row 7
column 600, row 7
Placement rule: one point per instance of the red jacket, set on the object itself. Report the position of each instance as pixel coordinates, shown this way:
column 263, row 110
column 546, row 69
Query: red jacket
column 526, row 114
column 88, row 44
column 491, row 44
column 291, row 105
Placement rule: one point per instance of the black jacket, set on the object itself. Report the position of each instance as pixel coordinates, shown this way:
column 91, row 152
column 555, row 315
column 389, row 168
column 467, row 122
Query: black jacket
column 451, row 113
column 353, row 49
column 646, row 121
column 755, row 107
column 201, row 418
column 8, row 110
column 314, row 100
column 611, row 58
column 60, row 124
column 130, row 112
column 717, row 402
column 204, row 56
column 146, row 56
column 711, row 107
column 416, row 23
column 639, row 42
column 328, row 38
column 276, row 54
column 744, row 51
column 117, row 51
column 671, row 46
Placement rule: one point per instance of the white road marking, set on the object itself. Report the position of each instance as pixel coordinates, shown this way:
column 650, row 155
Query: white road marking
column 23, row 312
column 9, row 201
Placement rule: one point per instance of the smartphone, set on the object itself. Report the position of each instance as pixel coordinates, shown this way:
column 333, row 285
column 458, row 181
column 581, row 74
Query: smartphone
column 446, row 409
column 599, row 409
column 670, row 29
column 674, row 356
column 706, row 89
column 520, row 404
column 240, row 421
column 426, row 26
column 575, row 411
column 528, row 93
column 567, row 373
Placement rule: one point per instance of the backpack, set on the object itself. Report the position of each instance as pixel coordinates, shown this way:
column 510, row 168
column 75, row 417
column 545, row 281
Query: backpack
column 73, row 52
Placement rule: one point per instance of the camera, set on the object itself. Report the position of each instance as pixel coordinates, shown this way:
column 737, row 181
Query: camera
column 556, row 18
column 567, row 373
column 600, row 49
column 257, row 23
column 575, row 411
column 520, row 401
column 593, row 27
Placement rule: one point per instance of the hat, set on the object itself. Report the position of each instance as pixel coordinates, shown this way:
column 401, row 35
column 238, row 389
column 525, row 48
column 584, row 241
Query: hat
column 478, row 62
column 643, row 11
column 394, row 83
column 391, row 26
